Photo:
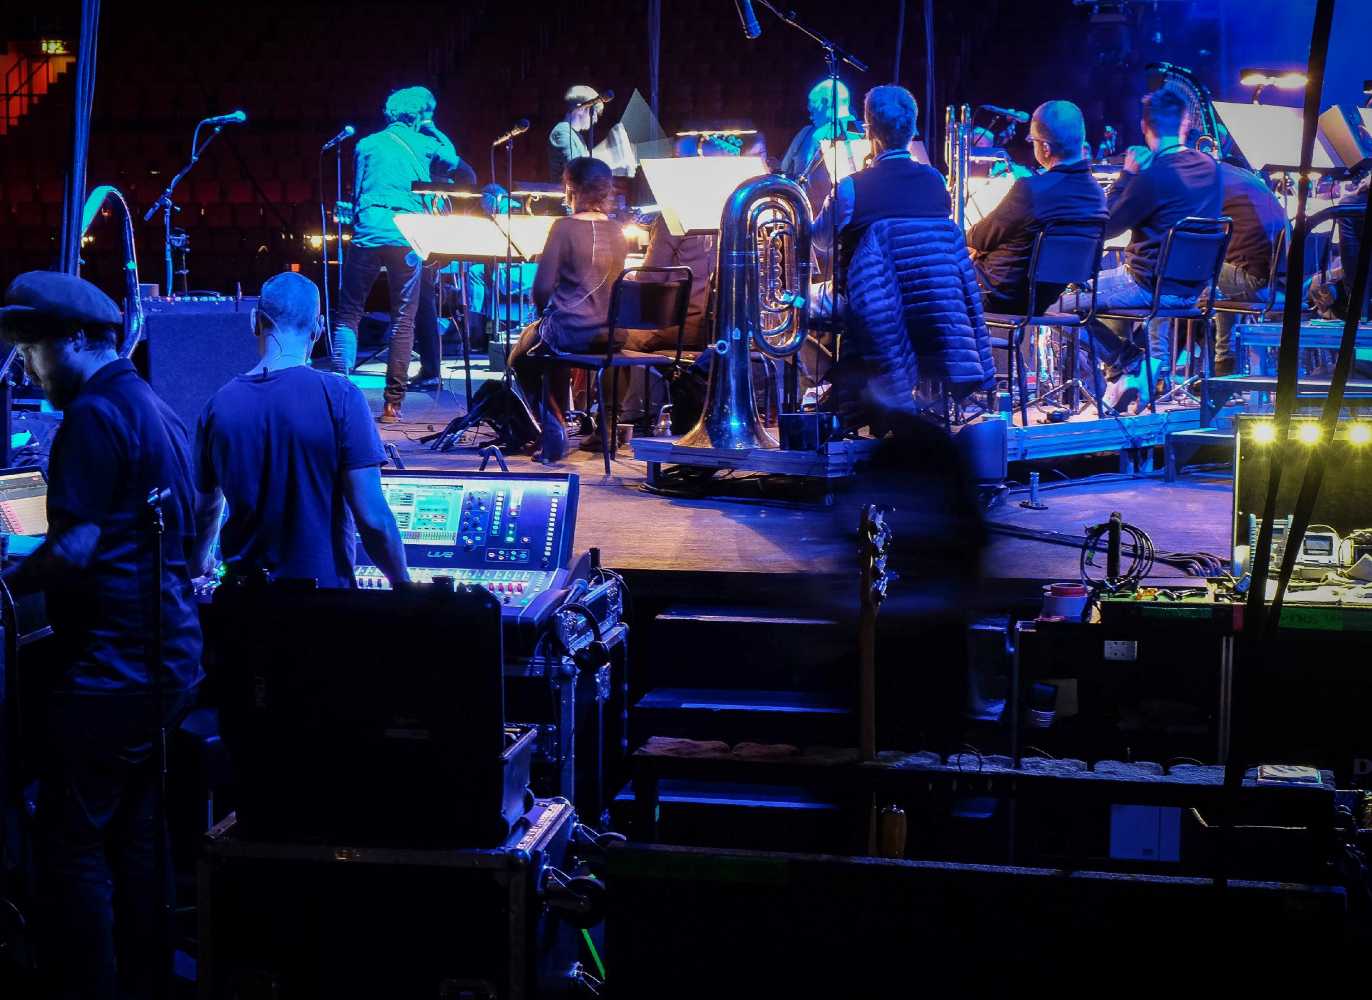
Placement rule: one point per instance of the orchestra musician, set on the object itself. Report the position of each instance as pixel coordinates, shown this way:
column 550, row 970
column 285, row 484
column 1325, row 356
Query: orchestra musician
column 564, row 141
column 905, row 281
column 805, row 146
column 576, row 273
column 1161, row 184
column 1002, row 243
column 294, row 453
column 486, row 299
column 1259, row 221
column 410, row 148
column 105, row 878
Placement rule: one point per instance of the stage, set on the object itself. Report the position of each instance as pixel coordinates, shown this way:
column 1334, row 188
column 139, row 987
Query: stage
column 641, row 532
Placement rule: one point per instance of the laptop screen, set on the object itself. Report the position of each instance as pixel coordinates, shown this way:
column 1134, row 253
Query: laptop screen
column 23, row 502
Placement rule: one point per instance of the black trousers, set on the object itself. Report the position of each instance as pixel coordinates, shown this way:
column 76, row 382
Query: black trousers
column 104, row 862
column 403, row 272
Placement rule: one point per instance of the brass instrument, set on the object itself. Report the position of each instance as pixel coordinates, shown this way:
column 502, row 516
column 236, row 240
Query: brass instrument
column 957, row 139
column 763, row 305
column 133, row 306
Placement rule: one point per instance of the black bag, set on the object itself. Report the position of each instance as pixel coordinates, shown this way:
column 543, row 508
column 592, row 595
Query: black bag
column 686, row 385
column 502, row 407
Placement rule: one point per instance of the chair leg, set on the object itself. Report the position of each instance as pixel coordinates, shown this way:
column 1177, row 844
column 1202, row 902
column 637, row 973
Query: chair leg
column 1148, row 366
column 1015, row 348
column 614, row 411
column 606, row 432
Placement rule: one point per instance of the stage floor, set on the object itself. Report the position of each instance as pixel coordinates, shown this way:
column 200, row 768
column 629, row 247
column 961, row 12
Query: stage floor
column 640, row 531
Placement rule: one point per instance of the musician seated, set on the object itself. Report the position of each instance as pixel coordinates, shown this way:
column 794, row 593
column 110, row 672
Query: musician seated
column 912, row 306
column 1259, row 221
column 572, row 288
column 1161, row 185
column 821, row 105
column 1002, row 243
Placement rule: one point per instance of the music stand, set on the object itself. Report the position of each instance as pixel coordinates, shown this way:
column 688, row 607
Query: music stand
column 693, row 190
column 480, row 238
column 1269, row 136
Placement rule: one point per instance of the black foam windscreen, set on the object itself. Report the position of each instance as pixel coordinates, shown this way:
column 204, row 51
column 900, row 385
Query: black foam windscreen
column 192, row 349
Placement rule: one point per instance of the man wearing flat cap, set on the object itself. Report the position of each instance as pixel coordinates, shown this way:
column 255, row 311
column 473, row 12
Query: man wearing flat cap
column 99, row 821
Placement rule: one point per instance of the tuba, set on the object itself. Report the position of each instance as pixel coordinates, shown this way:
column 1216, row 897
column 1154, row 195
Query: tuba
column 763, row 305
column 133, row 306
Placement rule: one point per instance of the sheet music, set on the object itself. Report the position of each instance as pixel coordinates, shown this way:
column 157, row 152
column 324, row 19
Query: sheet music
column 451, row 235
column 852, row 154
column 1269, row 134
column 692, row 190
column 617, row 152
column 529, row 233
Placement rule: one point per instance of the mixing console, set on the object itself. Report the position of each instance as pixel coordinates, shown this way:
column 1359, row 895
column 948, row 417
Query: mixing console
column 510, row 533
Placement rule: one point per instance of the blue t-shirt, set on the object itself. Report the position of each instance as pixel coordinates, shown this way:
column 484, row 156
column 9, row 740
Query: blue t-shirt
column 118, row 441
column 279, row 444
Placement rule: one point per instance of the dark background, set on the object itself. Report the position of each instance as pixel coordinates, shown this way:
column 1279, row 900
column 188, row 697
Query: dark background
column 302, row 69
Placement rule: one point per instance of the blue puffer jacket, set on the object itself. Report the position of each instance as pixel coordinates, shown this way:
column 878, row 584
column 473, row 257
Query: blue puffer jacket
column 914, row 310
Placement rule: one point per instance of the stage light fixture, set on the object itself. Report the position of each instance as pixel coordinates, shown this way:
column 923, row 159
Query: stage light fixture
column 1309, row 432
column 1360, row 433
column 1282, row 79
column 1265, row 432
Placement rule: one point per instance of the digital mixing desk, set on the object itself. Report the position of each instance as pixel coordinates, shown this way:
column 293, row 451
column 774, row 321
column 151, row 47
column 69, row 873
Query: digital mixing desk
column 510, row 533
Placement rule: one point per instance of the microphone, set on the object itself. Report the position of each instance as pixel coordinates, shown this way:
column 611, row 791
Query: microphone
column 1011, row 113
column 232, row 118
column 342, row 137
column 747, row 17
column 519, row 128
column 604, row 98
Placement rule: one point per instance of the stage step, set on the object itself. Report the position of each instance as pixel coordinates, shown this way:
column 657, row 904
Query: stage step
column 712, row 646
column 800, row 718
column 761, row 817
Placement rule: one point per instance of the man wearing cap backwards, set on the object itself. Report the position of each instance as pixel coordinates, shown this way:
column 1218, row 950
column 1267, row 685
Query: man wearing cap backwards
column 564, row 141
column 99, row 821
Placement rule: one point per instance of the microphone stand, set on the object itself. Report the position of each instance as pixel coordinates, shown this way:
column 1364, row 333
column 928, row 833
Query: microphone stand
column 833, row 55
column 165, row 204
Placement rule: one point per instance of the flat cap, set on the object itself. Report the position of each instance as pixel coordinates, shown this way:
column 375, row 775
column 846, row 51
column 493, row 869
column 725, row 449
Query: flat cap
column 42, row 304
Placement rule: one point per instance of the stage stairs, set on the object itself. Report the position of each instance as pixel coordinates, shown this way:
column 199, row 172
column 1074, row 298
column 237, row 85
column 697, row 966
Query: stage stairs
column 754, row 661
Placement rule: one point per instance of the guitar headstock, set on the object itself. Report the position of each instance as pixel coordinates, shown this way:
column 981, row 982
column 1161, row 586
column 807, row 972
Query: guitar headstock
column 874, row 543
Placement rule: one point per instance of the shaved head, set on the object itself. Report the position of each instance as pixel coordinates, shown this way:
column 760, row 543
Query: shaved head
column 291, row 302
column 1062, row 125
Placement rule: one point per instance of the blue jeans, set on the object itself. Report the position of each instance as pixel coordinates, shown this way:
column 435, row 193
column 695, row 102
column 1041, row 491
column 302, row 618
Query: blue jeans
column 1235, row 283
column 403, row 273
column 1116, row 288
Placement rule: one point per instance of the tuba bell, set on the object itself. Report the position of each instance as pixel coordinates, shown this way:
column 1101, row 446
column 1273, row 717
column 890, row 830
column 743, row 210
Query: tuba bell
column 763, row 305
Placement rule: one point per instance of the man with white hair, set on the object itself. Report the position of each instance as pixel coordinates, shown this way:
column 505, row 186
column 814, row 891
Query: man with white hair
column 1064, row 191
column 564, row 141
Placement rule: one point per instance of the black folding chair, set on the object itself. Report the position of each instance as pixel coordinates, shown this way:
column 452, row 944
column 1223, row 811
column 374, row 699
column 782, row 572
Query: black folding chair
column 1192, row 255
column 659, row 304
column 1065, row 253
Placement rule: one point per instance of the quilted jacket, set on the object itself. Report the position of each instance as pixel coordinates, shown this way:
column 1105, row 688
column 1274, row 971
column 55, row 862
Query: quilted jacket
column 914, row 310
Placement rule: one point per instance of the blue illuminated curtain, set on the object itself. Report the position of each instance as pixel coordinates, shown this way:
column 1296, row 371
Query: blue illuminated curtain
column 74, row 197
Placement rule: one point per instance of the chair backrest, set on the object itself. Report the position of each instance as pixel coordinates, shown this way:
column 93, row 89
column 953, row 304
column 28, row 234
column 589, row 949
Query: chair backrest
column 1066, row 252
column 649, row 298
column 1191, row 258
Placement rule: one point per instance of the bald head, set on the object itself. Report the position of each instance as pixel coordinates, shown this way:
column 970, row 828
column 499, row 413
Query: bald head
column 290, row 302
column 1061, row 126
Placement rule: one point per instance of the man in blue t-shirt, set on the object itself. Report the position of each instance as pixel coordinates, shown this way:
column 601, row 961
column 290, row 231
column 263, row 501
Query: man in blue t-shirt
column 294, row 453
